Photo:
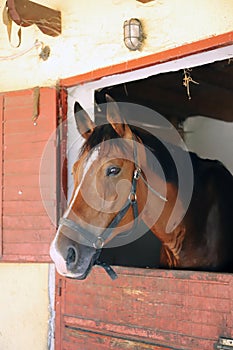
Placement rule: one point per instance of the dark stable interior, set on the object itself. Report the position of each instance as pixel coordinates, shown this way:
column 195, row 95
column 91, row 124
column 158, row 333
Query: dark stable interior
column 167, row 94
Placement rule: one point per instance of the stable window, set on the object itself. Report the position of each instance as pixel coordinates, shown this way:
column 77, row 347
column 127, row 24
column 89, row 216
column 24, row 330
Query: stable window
column 194, row 94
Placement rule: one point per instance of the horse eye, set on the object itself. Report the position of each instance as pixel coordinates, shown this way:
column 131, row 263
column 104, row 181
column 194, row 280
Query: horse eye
column 112, row 171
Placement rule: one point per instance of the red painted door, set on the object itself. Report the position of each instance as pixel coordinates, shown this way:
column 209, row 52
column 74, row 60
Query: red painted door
column 144, row 309
column 28, row 181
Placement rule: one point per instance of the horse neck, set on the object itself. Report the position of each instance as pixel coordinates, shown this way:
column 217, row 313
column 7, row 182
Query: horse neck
column 156, row 216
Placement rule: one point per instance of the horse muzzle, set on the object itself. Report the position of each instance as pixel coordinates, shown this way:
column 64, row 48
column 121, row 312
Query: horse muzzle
column 72, row 259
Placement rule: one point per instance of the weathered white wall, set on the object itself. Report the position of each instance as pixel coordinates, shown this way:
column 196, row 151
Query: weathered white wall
column 92, row 36
column 210, row 139
column 24, row 306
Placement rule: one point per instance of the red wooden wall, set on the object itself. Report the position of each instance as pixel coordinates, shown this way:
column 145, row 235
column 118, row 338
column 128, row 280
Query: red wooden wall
column 144, row 309
column 26, row 229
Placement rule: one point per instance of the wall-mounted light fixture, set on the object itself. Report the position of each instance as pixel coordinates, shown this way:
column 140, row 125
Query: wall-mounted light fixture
column 133, row 34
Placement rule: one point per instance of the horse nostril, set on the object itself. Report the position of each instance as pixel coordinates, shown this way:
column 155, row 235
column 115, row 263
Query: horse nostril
column 72, row 257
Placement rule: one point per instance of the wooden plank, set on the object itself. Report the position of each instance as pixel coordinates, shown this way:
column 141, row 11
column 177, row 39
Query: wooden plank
column 17, row 98
column 22, row 110
column 31, row 137
column 28, row 236
column 97, row 340
column 76, row 337
column 33, row 258
column 29, row 180
column 63, row 178
column 27, row 222
column 19, row 105
column 23, row 249
column 23, row 167
column 27, row 193
column 179, row 320
column 27, row 126
column 24, row 151
column 27, row 207
column 59, row 307
column 61, row 197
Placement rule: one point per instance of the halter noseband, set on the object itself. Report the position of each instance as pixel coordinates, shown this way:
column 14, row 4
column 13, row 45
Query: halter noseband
column 98, row 242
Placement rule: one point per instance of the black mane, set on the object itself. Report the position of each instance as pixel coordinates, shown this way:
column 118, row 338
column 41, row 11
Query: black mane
column 100, row 133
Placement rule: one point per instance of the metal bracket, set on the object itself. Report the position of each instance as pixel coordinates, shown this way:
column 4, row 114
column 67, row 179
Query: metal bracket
column 224, row 344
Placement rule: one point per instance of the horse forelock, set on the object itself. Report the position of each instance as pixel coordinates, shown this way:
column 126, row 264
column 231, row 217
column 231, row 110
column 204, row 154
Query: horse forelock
column 100, row 134
column 106, row 139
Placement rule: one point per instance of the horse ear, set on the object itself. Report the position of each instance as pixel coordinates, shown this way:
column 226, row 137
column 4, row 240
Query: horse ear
column 83, row 122
column 115, row 119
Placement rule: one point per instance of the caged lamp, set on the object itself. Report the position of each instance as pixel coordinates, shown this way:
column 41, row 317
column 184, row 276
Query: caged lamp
column 133, row 34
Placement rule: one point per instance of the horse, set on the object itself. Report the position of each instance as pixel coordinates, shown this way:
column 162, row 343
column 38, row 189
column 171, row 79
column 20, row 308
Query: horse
column 116, row 187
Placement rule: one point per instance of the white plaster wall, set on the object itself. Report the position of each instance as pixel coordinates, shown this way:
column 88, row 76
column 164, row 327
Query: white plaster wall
column 210, row 138
column 92, row 36
column 24, row 307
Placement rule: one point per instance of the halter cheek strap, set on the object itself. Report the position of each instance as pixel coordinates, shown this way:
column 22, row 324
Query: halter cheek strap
column 98, row 242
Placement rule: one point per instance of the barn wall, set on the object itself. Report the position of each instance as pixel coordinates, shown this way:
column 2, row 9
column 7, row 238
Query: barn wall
column 28, row 216
column 92, row 36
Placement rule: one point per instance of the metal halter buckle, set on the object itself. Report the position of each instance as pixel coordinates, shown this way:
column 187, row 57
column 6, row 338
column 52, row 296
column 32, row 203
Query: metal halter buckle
column 137, row 173
column 132, row 197
column 99, row 243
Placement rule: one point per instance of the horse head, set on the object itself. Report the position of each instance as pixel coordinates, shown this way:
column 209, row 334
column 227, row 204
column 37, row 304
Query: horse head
column 116, row 185
column 105, row 203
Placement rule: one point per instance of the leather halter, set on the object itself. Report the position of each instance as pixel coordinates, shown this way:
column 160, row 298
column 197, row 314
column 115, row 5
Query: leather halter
column 98, row 242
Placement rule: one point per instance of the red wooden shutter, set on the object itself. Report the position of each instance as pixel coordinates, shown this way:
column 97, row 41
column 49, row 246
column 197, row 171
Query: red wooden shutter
column 26, row 228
